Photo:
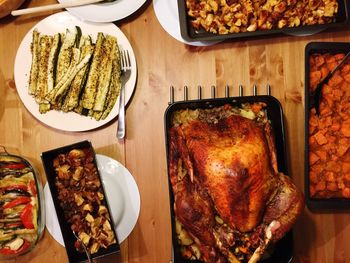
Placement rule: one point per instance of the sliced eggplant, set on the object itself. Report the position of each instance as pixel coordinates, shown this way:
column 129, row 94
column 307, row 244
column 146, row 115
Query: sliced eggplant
column 18, row 192
column 16, row 173
column 15, row 244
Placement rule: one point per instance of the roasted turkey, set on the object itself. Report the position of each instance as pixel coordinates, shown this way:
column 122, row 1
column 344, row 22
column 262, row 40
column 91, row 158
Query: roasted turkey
column 228, row 194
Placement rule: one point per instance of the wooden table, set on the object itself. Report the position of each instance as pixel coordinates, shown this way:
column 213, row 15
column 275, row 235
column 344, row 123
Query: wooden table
column 163, row 61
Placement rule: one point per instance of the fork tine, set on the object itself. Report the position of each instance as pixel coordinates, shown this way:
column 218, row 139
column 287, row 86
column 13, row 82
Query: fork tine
column 127, row 58
column 122, row 59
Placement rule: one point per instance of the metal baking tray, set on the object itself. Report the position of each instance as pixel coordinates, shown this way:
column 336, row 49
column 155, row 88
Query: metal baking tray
column 321, row 48
column 189, row 33
column 283, row 249
column 68, row 237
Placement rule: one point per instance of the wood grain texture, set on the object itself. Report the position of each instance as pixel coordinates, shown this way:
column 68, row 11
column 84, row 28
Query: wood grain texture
column 163, row 61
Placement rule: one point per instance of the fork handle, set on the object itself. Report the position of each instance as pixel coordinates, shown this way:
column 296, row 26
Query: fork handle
column 87, row 254
column 121, row 116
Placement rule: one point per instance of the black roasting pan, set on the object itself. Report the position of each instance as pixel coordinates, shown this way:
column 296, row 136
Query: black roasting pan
column 191, row 34
column 283, row 250
column 316, row 204
column 68, row 237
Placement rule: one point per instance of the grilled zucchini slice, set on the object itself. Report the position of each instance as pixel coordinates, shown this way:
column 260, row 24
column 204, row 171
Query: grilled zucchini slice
column 66, row 52
column 45, row 43
column 92, row 80
column 109, row 46
column 34, row 70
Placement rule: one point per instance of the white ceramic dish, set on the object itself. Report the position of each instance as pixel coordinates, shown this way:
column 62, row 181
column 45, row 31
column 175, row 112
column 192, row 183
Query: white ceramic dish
column 122, row 194
column 106, row 12
column 168, row 16
column 58, row 23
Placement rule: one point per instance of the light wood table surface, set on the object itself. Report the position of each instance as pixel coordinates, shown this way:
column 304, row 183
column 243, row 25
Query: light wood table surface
column 163, row 61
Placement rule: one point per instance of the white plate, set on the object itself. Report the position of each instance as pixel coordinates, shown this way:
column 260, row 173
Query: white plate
column 168, row 16
column 122, row 194
column 106, row 12
column 58, row 23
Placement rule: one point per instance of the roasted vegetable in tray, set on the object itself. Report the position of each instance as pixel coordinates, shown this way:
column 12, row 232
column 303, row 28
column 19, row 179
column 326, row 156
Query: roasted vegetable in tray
column 70, row 72
column 329, row 132
column 18, row 206
column 234, row 16
column 81, row 197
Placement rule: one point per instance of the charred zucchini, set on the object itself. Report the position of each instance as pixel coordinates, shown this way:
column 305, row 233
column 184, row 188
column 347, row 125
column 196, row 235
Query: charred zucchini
column 114, row 87
column 109, row 47
column 92, row 80
column 34, row 70
column 72, row 98
column 71, row 73
column 45, row 43
column 66, row 52
column 52, row 62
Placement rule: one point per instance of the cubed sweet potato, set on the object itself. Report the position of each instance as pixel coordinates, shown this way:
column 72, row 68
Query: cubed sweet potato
column 319, row 61
column 335, row 81
column 345, row 129
column 322, row 154
column 313, row 158
column 320, row 138
column 342, row 149
column 332, row 186
column 345, row 167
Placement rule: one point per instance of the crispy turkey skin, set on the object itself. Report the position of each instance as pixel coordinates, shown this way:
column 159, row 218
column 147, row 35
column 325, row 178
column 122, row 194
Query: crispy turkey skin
column 228, row 168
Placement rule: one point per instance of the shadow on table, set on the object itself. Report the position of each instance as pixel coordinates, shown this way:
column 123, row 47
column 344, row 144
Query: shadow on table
column 134, row 15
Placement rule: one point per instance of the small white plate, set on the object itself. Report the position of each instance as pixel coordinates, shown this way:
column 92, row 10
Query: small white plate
column 106, row 12
column 60, row 120
column 122, row 194
column 167, row 14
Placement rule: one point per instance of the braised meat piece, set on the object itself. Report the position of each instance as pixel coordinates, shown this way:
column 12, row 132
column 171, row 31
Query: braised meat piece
column 227, row 190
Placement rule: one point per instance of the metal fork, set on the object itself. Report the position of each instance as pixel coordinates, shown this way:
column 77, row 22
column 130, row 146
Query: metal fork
column 84, row 247
column 125, row 65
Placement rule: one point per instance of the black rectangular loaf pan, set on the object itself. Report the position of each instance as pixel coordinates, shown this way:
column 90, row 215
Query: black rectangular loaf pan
column 68, row 237
column 318, row 203
column 189, row 33
column 283, row 250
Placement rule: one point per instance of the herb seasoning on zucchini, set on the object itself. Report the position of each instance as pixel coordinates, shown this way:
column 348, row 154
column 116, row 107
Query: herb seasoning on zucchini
column 70, row 72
